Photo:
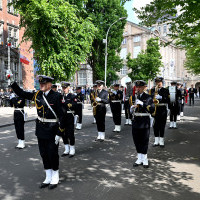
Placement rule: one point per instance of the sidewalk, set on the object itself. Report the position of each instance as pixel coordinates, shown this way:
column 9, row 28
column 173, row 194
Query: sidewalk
column 6, row 115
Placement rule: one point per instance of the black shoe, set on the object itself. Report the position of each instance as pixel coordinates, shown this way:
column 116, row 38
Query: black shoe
column 146, row 166
column 155, row 145
column 136, row 165
column 64, row 154
column 52, row 186
column 44, row 185
column 71, row 156
column 97, row 140
column 170, row 127
column 101, row 140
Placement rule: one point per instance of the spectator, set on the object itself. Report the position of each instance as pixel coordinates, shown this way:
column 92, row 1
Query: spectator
column 83, row 92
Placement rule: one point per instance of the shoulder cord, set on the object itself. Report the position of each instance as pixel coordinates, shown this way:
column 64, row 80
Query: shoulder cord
column 35, row 100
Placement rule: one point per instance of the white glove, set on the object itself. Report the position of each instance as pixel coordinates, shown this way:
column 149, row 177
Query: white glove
column 158, row 96
column 12, row 95
column 57, row 139
column 138, row 102
column 114, row 92
column 98, row 99
column 132, row 108
column 75, row 93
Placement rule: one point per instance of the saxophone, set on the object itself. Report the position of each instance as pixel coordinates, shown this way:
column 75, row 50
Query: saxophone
column 95, row 103
column 155, row 101
column 135, row 105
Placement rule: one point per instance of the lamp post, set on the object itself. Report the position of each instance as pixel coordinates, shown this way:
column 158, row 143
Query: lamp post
column 106, row 41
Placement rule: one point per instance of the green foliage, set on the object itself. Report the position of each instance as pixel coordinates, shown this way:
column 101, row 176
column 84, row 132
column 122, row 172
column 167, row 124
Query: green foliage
column 60, row 38
column 193, row 57
column 185, row 26
column 103, row 13
column 146, row 65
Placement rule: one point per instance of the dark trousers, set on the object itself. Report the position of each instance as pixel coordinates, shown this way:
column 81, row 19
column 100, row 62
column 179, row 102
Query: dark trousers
column 173, row 113
column 19, row 128
column 141, row 139
column 49, row 153
column 100, row 118
column 68, row 137
column 182, row 107
column 191, row 99
column 79, row 112
column 159, row 123
column 117, row 112
column 127, row 110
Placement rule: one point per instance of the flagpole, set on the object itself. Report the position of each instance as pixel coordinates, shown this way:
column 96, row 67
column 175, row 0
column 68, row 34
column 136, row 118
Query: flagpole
column 19, row 70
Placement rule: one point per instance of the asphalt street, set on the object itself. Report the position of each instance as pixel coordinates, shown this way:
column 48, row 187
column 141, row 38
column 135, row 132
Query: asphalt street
column 103, row 171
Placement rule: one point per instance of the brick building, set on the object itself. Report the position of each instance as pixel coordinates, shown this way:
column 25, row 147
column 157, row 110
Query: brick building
column 9, row 30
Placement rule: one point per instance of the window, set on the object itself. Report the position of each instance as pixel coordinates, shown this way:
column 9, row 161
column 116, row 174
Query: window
column 16, row 67
column 82, row 78
column 137, row 38
column 124, row 41
column 159, row 29
column 136, row 51
column 169, row 28
column 165, row 29
column 123, row 53
column 9, row 32
column 0, row 4
column 123, row 71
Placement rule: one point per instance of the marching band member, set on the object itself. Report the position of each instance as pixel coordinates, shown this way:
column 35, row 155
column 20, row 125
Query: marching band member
column 116, row 97
column 69, row 103
column 175, row 95
column 48, row 130
column 100, row 99
column 160, row 96
column 183, row 95
column 127, row 93
column 79, row 107
column 18, row 103
column 92, row 93
column 141, row 107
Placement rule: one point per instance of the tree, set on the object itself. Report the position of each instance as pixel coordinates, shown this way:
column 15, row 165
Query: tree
column 60, row 37
column 103, row 13
column 182, row 15
column 193, row 57
column 146, row 65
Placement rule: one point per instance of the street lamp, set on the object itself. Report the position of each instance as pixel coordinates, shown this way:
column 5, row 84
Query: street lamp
column 106, row 41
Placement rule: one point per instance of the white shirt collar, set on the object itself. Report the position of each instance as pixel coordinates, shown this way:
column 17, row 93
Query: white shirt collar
column 47, row 92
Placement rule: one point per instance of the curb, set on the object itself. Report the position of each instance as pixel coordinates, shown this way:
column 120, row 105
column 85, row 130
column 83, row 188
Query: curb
column 5, row 125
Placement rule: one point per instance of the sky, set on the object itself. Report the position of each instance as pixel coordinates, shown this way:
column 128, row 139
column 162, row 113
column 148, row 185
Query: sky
column 129, row 7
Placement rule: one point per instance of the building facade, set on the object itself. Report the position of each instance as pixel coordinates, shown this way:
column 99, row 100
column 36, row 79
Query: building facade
column 173, row 58
column 10, row 32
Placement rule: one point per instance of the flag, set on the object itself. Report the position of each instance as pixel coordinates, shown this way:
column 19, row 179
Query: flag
column 24, row 60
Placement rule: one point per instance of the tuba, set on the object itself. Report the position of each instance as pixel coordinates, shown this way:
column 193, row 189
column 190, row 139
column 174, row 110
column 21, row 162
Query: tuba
column 95, row 103
column 155, row 101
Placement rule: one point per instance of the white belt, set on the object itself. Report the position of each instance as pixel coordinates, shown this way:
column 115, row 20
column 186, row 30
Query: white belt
column 18, row 109
column 116, row 101
column 126, row 99
column 79, row 102
column 162, row 104
column 70, row 112
column 47, row 120
column 142, row 114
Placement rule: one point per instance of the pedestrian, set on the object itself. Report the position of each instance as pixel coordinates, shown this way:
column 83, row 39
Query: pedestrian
column 100, row 99
column 141, row 107
column 18, row 103
column 83, row 92
column 79, row 108
column 191, row 92
column 175, row 96
column 186, row 97
column 116, row 97
column 1, row 97
column 160, row 96
column 179, row 101
column 48, row 104
column 69, row 103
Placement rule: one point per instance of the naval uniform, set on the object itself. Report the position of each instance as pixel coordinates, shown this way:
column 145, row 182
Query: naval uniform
column 79, row 107
column 101, row 109
column 69, row 103
column 183, row 95
column 116, row 98
column 141, row 122
column 160, row 117
column 174, row 106
column 18, row 103
column 191, row 93
column 47, row 126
